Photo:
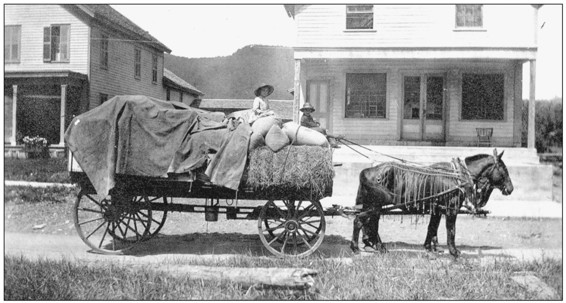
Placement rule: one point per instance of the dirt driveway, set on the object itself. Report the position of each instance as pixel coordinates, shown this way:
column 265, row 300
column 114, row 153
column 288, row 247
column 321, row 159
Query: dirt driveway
column 189, row 235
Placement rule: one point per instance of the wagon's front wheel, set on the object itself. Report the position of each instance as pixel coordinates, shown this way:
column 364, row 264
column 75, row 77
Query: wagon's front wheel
column 112, row 224
column 290, row 228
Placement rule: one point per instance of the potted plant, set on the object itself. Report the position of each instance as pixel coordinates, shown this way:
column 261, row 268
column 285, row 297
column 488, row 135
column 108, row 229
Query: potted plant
column 35, row 147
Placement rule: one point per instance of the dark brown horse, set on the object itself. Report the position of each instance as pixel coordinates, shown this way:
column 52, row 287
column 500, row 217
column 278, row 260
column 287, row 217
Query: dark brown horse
column 442, row 188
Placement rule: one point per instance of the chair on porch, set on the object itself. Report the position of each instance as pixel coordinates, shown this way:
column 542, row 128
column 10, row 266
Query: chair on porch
column 484, row 136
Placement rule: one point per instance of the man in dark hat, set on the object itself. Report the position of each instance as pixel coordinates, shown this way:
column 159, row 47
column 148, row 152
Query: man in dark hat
column 308, row 121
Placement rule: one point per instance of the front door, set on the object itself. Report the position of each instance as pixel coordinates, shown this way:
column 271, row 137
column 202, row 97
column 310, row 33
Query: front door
column 423, row 107
column 317, row 95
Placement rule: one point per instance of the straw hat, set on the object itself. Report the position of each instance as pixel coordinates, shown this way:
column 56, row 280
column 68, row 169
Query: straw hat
column 257, row 90
column 307, row 106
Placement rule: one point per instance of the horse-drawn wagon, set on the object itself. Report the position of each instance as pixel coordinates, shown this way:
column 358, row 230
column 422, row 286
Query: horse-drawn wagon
column 136, row 159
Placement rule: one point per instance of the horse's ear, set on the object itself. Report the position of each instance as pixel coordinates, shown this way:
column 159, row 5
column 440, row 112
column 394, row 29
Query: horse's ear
column 500, row 155
column 495, row 152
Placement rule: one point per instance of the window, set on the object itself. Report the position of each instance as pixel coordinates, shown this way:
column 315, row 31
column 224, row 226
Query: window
column 359, row 16
column 154, row 68
column 469, row 16
column 104, row 52
column 168, row 95
column 137, row 63
column 366, row 95
column 12, row 37
column 482, row 96
column 56, row 47
column 103, row 98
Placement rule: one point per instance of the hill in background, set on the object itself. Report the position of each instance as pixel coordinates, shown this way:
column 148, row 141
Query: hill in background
column 236, row 76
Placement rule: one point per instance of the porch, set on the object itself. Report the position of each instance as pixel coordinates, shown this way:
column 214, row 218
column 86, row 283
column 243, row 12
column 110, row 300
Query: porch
column 41, row 103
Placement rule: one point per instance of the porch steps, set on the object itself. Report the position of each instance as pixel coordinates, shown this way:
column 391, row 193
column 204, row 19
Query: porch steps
column 532, row 180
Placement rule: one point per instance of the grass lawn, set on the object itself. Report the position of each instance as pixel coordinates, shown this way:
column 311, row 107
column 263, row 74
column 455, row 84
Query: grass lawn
column 37, row 170
column 378, row 277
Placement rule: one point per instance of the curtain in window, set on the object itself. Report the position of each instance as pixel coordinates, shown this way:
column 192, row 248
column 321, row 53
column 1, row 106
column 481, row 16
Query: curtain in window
column 469, row 16
column 366, row 95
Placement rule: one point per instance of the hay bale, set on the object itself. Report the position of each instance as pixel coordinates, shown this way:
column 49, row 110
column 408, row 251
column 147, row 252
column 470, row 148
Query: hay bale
column 294, row 171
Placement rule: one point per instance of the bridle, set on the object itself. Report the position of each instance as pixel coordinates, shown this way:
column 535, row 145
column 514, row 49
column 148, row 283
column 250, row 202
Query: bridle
column 483, row 186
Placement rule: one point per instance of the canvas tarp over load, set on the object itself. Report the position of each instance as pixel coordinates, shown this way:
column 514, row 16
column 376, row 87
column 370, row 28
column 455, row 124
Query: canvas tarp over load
column 144, row 136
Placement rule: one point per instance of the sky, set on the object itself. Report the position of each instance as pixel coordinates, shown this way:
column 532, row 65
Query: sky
column 197, row 31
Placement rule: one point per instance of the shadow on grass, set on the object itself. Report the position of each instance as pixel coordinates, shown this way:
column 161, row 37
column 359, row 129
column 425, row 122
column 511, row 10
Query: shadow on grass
column 227, row 243
column 333, row 246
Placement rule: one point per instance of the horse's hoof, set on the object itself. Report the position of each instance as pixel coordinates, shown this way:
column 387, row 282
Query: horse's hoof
column 382, row 249
column 455, row 253
column 369, row 249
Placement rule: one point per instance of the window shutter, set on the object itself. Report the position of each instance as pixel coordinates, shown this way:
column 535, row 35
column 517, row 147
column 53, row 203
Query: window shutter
column 47, row 44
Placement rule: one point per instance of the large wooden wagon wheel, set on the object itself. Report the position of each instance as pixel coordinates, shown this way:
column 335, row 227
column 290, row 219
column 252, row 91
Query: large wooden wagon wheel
column 292, row 228
column 111, row 224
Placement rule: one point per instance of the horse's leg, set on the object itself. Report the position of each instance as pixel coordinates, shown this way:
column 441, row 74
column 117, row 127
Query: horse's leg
column 431, row 240
column 451, row 232
column 373, row 231
column 356, row 235
column 358, row 224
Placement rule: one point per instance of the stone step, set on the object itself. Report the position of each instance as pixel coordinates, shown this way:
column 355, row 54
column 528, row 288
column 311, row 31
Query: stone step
column 429, row 154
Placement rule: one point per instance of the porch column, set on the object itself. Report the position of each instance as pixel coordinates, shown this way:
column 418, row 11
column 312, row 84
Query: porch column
column 531, row 120
column 297, row 91
column 14, row 110
column 63, row 105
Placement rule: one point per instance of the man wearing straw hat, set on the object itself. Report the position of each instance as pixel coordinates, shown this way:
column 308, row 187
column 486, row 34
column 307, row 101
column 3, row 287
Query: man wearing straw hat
column 308, row 121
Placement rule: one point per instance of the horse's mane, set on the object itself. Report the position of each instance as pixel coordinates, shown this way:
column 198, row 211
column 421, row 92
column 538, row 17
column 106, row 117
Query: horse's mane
column 475, row 158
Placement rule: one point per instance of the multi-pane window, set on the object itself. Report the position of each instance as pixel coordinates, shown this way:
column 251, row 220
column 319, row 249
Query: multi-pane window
column 469, row 15
column 12, row 37
column 154, row 68
column 104, row 52
column 482, row 96
column 366, row 95
column 56, row 46
column 137, row 63
column 359, row 16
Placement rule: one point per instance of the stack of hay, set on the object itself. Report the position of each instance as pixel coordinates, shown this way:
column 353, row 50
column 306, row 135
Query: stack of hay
column 294, row 172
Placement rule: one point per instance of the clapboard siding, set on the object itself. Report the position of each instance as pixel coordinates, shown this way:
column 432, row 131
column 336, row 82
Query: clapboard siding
column 458, row 132
column 32, row 19
column 119, row 78
column 415, row 26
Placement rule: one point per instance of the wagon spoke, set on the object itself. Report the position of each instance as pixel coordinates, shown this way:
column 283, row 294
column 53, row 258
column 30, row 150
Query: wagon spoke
column 95, row 202
column 284, row 243
column 307, row 231
column 91, row 220
column 104, row 235
column 306, row 211
column 96, row 211
column 274, row 228
column 304, row 240
column 299, row 205
column 295, row 241
column 315, row 227
column 99, row 226
column 141, row 221
column 277, row 208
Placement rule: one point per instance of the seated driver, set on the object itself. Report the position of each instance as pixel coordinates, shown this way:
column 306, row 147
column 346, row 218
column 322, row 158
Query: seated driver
column 308, row 121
